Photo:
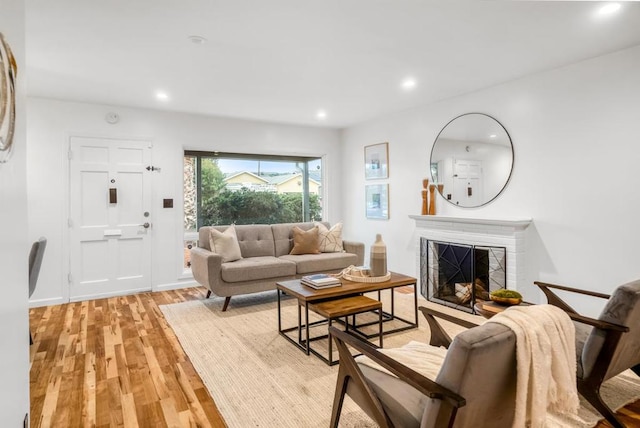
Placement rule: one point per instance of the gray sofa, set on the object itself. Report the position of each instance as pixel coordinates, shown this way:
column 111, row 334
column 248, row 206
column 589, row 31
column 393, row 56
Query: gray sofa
column 265, row 260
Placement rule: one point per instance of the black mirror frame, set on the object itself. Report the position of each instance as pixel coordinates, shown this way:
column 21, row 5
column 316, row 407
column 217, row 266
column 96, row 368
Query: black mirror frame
column 513, row 157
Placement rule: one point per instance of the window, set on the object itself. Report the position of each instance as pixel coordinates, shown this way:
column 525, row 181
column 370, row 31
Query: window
column 227, row 188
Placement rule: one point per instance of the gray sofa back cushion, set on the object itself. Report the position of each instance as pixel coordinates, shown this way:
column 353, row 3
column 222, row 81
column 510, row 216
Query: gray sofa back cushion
column 255, row 240
column 283, row 235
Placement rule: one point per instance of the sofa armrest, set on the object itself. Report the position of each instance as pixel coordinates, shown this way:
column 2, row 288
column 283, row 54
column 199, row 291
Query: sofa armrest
column 206, row 267
column 356, row 248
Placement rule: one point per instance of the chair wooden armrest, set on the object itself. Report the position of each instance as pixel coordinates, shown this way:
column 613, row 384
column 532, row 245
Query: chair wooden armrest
column 439, row 337
column 555, row 300
column 603, row 325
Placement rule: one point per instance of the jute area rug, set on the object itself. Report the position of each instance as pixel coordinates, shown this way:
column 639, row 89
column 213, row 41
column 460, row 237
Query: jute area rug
column 259, row 379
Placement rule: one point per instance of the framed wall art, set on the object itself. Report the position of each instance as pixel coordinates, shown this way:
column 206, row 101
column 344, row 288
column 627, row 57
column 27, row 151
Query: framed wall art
column 377, row 201
column 376, row 161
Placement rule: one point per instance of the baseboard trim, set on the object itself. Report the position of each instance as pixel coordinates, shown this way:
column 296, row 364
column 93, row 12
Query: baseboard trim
column 106, row 295
column 175, row 285
column 46, row 302
column 60, row 300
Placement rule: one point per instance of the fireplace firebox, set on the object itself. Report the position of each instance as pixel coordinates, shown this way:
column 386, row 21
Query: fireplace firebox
column 459, row 275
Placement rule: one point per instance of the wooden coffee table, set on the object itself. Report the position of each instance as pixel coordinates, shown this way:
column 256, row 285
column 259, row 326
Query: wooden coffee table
column 307, row 296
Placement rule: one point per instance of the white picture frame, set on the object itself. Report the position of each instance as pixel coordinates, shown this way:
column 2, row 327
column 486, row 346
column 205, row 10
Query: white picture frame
column 376, row 161
column 377, row 201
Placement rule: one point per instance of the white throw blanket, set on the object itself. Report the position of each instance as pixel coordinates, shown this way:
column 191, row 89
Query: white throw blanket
column 546, row 362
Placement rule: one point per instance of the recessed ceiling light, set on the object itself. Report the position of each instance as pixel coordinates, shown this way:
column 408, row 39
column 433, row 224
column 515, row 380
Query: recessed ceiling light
column 608, row 9
column 162, row 96
column 197, row 40
column 408, row 84
column 492, row 136
column 321, row 115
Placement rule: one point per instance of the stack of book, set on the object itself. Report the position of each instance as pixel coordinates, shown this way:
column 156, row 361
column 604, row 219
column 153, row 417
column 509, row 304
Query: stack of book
column 320, row 280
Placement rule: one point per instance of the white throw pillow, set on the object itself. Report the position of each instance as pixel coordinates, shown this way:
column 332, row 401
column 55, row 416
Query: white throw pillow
column 225, row 244
column 330, row 239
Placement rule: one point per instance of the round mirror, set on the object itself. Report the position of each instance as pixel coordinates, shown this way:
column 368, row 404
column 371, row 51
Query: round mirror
column 471, row 160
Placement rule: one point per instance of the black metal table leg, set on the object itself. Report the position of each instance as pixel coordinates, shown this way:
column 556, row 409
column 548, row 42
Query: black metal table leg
column 306, row 322
column 279, row 315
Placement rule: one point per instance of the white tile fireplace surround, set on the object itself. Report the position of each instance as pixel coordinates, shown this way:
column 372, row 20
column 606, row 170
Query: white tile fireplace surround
column 507, row 233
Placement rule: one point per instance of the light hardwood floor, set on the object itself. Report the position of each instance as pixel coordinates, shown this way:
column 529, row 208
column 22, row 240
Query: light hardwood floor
column 116, row 362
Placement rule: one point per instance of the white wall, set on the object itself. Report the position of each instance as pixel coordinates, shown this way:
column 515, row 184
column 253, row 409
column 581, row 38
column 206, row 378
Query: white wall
column 14, row 249
column 51, row 123
column 575, row 132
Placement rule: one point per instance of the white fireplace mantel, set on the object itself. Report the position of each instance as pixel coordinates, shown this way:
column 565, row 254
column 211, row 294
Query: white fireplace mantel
column 506, row 232
column 442, row 221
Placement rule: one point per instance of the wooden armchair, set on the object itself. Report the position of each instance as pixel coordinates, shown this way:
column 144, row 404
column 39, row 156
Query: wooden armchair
column 475, row 381
column 607, row 346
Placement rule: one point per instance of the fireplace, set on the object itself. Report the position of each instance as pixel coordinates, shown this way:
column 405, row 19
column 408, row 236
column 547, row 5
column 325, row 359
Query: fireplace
column 503, row 241
column 459, row 275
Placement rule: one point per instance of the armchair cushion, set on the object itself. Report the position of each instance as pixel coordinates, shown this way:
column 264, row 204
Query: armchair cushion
column 582, row 334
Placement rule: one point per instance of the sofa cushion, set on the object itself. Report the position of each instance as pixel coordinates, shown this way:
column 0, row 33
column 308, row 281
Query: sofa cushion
column 255, row 240
column 305, row 241
column 225, row 244
column 307, row 263
column 283, row 235
column 256, row 268
column 330, row 239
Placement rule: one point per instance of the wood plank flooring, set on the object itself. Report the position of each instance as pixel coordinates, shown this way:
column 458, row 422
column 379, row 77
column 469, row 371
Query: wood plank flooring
column 116, row 363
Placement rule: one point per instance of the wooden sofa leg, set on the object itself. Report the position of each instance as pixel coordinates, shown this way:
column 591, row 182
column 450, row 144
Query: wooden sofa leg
column 208, row 294
column 226, row 303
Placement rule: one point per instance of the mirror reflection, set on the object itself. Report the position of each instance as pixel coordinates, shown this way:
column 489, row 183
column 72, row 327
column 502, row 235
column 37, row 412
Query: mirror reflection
column 472, row 158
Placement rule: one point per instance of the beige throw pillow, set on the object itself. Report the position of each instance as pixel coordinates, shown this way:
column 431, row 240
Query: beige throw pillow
column 305, row 242
column 330, row 239
column 225, row 244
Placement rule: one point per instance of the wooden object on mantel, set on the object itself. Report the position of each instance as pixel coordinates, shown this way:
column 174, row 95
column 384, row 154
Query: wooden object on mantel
column 432, row 199
column 425, row 199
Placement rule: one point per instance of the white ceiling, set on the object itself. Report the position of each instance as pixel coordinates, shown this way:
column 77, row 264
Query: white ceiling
column 283, row 60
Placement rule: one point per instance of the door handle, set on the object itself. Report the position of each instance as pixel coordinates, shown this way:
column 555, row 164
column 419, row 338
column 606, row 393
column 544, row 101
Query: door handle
column 146, row 225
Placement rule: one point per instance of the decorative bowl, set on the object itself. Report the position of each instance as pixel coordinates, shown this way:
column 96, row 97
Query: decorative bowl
column 508, row 301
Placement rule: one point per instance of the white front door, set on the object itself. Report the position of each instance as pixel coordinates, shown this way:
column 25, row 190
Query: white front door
column 467, row 183
column 110, row 219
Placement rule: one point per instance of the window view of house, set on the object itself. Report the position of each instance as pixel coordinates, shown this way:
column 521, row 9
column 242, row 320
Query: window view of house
column 222, row 189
